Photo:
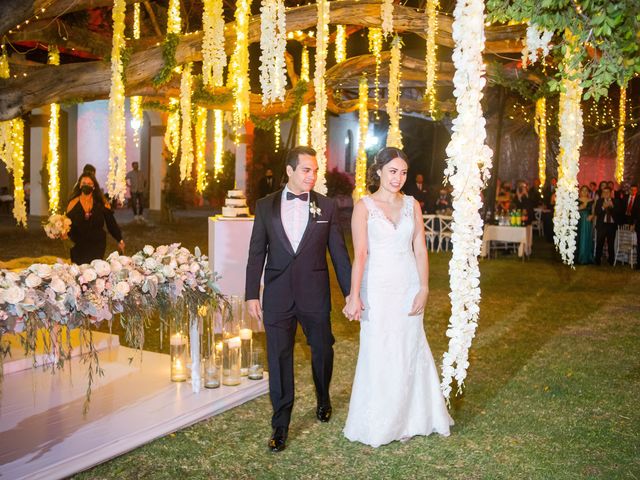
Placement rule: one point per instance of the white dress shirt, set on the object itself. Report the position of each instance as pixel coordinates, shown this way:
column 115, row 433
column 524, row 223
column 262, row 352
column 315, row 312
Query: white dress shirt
column 295, row 216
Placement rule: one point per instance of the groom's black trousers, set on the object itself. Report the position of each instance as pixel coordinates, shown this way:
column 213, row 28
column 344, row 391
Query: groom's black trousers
column 281, row 333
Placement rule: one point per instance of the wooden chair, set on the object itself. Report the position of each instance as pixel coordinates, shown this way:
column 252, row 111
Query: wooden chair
column 430, row 230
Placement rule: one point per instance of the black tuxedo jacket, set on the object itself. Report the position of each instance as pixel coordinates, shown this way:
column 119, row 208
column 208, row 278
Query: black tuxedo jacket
column 296, row 278
column 601, row 212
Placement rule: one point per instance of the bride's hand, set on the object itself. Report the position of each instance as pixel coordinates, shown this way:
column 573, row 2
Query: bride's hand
column 419, row 302
column 353, row 309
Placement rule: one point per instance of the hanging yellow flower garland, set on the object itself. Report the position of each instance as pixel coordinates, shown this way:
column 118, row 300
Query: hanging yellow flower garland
column 620, row 145
column 218, row 142
column 394, row 137
column 116, row 181
column 5, row 127
column 361, row 159
column 174, row 20
column 540, row 126
column 303, row 121
column 172, row 133
column 431, row 58
column 186, row 138
column 17, row 153
column 239, row 65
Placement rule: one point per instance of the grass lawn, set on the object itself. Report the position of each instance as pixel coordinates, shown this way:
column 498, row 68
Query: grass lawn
column 552, row 390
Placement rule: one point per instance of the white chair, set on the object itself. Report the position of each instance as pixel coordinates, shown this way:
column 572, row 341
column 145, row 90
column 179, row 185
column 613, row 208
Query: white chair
column 444, row 231
column 625, row 246
column 430, row 230
column 537, row 224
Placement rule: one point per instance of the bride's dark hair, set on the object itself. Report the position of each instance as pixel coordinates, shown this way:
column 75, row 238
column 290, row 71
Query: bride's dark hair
column 383, row 157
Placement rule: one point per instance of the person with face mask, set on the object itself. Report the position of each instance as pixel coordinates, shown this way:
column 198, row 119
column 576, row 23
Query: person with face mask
column 89, row 212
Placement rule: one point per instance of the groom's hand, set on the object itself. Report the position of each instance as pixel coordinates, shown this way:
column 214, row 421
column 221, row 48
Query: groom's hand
column 255, row 309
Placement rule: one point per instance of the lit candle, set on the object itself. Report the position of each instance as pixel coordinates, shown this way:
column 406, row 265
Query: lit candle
column 178, row 339
column 245, row 333
column 234, row 342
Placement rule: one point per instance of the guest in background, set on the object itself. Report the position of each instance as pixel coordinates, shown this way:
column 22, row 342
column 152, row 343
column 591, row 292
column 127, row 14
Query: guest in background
column 521, row 200
column 89, row 211
column 605, row 225
column 137, row 183
column 585, row 228
column 503, row 198
column 636, row 221
column 443, row 203
column 549, row 191
column 418, row 190
column 628, row 205
column 535, row 194
column 592, row 189
column 267, row 184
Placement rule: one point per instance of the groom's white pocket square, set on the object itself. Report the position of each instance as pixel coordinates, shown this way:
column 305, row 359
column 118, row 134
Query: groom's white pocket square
column 322, row 221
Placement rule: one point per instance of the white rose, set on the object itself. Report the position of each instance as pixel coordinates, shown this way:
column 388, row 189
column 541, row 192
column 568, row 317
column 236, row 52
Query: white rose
column 74, row 270
column 168, row 271
column 100, row 285
column 33, row 280
column 162, row 250
column 124, row 261
column 12, row 277
column 89, row 275
column 57, row 285
column 184, row 267
column 150, row 264
column 135, row 277
column 122, row 288
column 148, row 250
column 183, row 258
column 13, row 295
column 116, row 266
column 101, row 267
column 194, row 268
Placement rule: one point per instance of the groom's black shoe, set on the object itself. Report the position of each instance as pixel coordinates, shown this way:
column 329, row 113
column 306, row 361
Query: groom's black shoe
column 278, row 440
column 324, row 413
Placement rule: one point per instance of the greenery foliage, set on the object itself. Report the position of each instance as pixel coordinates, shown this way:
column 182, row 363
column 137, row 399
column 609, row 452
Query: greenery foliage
column 169, row 47
column 607, row 36
column 267, row 123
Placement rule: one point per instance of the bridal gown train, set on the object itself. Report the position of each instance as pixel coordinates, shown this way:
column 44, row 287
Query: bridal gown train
column 396, row 391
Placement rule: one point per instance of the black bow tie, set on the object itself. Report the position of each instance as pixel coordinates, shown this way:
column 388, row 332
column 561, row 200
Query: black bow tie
column 303, row 196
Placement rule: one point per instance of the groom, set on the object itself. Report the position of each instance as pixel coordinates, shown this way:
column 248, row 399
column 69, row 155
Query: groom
column 293, row 228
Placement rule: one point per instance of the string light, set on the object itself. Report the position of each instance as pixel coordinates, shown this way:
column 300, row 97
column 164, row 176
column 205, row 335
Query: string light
column 620, row 145
column 135, row 103
column 341, row 43
column 5, row 127
column 239, row 66
column 186, row 137
column 218, row 142
column 363, row 121
column 116, row 180
column 172, row 133
column 303, row 121
column 17, row 151
column 540, row 126
column 53, row 155
column 394, row 137
column 431, row 58
column 318, row 118
column 201, row 147
column 276, row 134
column 375, row 48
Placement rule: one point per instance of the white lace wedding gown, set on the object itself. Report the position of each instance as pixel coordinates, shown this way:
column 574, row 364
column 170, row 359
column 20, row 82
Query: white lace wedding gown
column 396, row 391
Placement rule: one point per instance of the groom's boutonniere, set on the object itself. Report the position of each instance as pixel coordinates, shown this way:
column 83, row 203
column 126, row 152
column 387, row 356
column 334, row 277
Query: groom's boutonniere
column 315, row 210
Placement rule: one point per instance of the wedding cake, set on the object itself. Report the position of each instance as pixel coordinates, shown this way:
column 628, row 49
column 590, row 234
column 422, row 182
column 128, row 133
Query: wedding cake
column 235, row 205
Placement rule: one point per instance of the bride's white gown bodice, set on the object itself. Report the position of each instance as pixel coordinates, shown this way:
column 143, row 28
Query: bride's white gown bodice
column 396, row 391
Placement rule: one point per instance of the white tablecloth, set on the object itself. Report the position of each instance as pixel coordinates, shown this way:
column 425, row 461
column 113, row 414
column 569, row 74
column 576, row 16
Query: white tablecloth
column 520, row 235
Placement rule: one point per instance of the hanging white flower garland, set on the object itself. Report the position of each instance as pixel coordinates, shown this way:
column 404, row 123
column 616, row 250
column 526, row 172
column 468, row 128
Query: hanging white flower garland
column 375, row 48
column 17, row 154
column 239, row 65
column 303, row 120
column 201, row 147
column 566, row 213
column 273, row 44
column 468, row 168
column 53, row 153
column 535, row 41
column 116, row 180
column 430, row 57
column 386, row 14
column 172, row 133
column 360, row 189
column 394, row 137
column 214, row 58
column 186, row 138
column 540, row 127
column 5, row 127
column 135, row 103
column 318, row 118
column 341, row 43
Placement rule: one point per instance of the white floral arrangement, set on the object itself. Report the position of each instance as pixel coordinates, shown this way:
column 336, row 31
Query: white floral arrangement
column 537, row 39
column 214, row 58
column 273, row 45
column 57, row 226
column 386, row 14
column 394, row 137
column 566, row 213
column 468, row 169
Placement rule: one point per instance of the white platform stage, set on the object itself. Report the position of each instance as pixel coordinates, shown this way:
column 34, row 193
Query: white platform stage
column 43, row 434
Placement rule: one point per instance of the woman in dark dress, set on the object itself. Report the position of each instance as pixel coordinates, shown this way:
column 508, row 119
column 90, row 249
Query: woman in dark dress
column 89, row 212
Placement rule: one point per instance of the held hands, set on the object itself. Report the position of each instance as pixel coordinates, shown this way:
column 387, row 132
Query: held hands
column 354, row 307
column 121, row 246
column 255, row 309
column 419, row 302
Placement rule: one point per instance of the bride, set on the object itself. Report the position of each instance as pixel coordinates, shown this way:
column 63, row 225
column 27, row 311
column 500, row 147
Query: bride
column 396, row 391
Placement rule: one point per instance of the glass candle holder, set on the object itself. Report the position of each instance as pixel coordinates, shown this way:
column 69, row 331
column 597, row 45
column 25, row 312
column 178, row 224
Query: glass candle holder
column 256, row 365
column 246, row 335
column 178, row 352
column 231, row 361
column 212, row 370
